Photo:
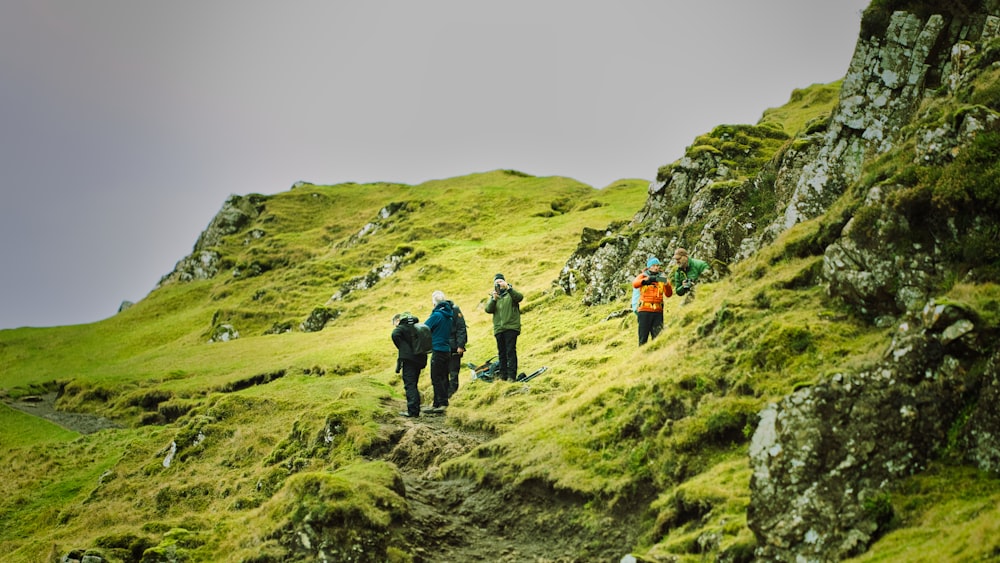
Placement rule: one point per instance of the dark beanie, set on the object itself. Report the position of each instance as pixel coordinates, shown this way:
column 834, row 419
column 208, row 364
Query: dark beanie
column 498, row 277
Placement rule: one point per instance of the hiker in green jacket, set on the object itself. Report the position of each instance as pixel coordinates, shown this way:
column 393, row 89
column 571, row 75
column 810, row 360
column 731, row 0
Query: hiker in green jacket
column 504, row 305
column 686, row 274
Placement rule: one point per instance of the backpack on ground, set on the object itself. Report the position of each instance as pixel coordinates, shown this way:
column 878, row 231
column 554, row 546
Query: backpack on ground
column 423, row 343
column 487, row 371
column 490, row 371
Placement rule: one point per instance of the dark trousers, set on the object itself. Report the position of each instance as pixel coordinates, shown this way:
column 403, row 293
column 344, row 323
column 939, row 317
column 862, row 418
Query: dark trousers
column 411, row 373
column 439, row 377
column 650, row 325
column 507, row 352
column 454, row 367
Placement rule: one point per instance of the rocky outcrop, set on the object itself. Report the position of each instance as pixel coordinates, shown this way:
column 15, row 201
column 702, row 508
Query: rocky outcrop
column 917, row 93
column 204, row 261
column 980, row 439
column 400, row 258
column 824, row 458
column 873, row 267
column 603, row 262
column 707, row 203
column 880, row 275
column 388, row 217
column 318, row 318
column 223, row 332
column 888, row 77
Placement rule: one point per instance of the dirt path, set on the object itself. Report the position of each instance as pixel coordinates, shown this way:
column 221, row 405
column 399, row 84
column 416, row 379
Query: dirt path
column 44, row 406
column 460, row 521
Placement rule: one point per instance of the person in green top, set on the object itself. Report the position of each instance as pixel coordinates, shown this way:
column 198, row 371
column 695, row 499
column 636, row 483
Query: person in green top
column 687, row 272
column 504, row 305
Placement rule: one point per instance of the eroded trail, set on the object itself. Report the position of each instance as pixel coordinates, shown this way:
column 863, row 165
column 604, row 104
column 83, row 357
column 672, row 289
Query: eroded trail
column 44, row 406
column 457, row 520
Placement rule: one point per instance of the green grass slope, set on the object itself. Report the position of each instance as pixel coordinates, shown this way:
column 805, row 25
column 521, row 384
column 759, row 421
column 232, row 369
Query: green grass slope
column 231, row 447
column 244, row 413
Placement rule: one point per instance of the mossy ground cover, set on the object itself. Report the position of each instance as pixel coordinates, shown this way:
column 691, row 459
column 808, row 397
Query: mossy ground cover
column 807, row 110
column 948, row 513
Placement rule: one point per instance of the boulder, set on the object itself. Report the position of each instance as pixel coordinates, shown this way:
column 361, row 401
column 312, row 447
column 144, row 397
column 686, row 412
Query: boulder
column 824, row 458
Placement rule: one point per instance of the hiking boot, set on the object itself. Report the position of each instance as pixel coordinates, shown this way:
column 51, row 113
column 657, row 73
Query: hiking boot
column 437, row 410
column 520, row 376
column 408, row 415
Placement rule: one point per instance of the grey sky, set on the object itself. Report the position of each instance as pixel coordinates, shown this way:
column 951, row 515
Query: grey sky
column 124, row 125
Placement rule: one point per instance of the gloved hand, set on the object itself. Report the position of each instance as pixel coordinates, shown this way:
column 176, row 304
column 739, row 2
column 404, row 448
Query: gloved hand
column 647, row 281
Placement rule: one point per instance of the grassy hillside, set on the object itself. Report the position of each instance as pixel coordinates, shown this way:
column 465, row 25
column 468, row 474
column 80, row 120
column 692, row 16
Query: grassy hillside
column 250, row 400
column 230, row 451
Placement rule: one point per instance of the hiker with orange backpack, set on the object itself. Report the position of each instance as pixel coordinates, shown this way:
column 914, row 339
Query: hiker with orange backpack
column 654, row 288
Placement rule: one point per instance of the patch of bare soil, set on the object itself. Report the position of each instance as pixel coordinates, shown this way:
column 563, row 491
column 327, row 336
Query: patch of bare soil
column 458, row 520
column 44, row 406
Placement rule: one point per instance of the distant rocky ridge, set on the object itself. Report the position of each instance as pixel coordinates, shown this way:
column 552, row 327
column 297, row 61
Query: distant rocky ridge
column 204, row 261
column 824, row 457
column 237, row 214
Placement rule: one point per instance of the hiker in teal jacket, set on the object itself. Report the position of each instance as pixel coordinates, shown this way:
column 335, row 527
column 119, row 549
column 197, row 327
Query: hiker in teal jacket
column 687, row 272
column 439, row 322
column 504, row 305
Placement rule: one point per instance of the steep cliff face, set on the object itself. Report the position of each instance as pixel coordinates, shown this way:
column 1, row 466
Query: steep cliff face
column 825, row 457
column 738, row 188
column 904, row 175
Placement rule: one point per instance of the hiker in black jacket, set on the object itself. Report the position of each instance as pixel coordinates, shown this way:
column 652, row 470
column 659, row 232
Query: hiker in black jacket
column 403, row 336
column 459, row 338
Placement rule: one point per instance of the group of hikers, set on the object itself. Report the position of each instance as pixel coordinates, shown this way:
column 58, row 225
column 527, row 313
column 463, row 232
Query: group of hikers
column 449, row 336
column 652, row 287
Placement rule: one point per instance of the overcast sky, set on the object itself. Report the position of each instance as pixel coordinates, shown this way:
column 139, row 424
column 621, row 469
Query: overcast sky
column 125, row 124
